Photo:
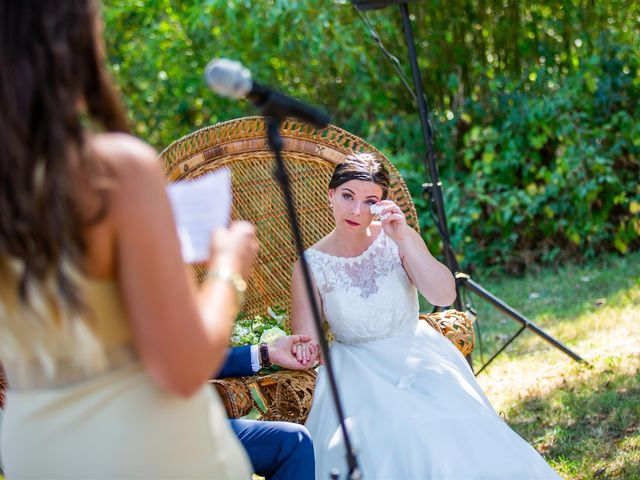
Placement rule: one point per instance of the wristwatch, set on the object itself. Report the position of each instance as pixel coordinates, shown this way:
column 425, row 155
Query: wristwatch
column 234, row 279
column 265, row 361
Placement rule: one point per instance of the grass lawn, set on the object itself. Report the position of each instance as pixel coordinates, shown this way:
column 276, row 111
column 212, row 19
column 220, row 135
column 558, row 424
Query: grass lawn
column 585, row 419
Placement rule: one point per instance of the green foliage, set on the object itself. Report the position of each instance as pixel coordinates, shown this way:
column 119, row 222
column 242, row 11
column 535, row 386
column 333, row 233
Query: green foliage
column 535, row 107
column 251, row 331
column 553, row 174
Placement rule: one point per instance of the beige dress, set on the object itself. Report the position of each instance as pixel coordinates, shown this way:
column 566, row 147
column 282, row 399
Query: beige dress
column 81, row 405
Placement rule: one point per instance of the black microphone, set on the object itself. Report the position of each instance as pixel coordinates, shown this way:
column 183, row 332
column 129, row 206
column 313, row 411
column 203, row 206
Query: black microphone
column 230, row 79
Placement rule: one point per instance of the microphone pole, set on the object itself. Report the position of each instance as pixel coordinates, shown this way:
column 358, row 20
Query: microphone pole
column 223, row 77
column 280, row 173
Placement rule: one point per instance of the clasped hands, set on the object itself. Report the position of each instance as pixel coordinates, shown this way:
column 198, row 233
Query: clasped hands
column 296, row 352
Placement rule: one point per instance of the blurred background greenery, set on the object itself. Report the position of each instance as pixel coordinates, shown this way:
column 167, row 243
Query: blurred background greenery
column 535, row 104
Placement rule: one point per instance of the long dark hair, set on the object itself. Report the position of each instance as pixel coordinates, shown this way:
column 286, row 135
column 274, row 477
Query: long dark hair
column 53, row 84
column 361, row 166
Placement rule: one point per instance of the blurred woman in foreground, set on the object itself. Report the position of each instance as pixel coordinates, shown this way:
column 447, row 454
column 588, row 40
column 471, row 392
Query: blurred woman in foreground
column 105, row 343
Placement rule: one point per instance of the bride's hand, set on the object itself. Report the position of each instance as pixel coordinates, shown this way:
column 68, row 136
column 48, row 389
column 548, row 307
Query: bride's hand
column 394, row 223
column 307, row 353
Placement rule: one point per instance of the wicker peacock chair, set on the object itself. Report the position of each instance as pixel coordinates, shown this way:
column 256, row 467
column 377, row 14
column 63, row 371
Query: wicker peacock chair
column 310, row 156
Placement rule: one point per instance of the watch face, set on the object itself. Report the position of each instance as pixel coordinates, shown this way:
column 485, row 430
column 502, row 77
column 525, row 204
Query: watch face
column 265, row 361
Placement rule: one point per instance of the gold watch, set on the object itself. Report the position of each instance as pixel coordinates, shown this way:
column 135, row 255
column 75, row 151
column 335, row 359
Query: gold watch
column 234, row 279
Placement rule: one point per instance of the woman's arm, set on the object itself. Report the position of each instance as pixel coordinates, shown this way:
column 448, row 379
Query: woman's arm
column 302, row 314
column 181, row 335
column 431, row 278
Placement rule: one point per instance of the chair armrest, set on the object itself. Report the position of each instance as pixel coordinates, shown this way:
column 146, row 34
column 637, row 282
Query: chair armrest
column 454, row 325
column 235, row 395
column 286, row 395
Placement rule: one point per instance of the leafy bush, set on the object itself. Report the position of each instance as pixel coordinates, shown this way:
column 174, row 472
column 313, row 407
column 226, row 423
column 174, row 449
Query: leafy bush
column 535, row 104
column 552, row 172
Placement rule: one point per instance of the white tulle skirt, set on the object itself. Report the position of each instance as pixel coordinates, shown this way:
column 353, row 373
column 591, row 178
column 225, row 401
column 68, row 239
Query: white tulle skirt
column 415, row 411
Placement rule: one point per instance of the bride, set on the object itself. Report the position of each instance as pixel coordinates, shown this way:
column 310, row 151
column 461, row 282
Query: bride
column 413, row 407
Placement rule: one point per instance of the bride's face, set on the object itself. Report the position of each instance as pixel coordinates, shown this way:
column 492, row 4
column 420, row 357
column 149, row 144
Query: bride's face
column 351, row 204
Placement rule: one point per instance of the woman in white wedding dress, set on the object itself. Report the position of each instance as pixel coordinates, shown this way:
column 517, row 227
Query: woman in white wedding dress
column 413, row 407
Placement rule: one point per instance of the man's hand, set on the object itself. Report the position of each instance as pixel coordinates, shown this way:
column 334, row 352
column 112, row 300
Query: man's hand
column 283, row 352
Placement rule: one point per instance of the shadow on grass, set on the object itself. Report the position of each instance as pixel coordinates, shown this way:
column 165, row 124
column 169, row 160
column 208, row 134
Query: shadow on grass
column 587, row 426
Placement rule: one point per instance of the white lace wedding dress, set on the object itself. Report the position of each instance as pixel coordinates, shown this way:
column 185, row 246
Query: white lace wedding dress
column 413, row 407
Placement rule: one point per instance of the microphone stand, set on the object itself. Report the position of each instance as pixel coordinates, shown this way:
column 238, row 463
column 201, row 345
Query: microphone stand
column 273, row 121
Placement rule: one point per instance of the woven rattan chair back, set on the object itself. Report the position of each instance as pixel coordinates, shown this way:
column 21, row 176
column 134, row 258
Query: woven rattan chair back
column 310, row 156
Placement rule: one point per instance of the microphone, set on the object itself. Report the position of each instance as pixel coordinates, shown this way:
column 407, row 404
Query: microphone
column 230, row 79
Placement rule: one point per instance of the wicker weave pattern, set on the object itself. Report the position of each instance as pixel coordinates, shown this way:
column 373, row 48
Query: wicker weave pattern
column 454, row 325
column 286, row 394
column 310, row 157
column 235, row 395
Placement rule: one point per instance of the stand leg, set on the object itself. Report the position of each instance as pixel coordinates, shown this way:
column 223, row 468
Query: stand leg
column 476, row 288
column 429, row 159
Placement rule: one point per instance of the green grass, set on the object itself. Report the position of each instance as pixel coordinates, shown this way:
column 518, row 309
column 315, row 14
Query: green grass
column 585, row 419
column 569, row 303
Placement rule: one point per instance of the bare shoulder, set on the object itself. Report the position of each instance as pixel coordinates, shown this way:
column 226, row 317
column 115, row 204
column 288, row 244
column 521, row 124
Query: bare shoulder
column 136, row 173
column 324, row 245
column 125, row 154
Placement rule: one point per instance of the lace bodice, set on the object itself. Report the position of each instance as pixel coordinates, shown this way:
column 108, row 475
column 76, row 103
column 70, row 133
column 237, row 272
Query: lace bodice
column 368, row 297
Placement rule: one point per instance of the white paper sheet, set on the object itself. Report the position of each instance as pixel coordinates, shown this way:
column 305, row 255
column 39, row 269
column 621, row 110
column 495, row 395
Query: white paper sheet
column 199, row 207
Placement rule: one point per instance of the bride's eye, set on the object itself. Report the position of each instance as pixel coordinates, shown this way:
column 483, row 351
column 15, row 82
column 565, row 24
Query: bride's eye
column 371, row 202
column 347, row 196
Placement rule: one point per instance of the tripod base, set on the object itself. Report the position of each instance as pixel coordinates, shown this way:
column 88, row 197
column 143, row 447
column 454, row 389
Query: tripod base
column 465, row 280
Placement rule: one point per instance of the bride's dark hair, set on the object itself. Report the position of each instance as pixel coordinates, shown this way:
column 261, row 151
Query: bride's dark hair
column 361, row 166
column 53, row 83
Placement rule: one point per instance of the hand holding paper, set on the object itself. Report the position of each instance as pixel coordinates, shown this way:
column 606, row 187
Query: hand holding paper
column 199, row 207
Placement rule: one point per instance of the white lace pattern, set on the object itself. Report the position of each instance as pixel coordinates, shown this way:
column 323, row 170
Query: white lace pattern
column 368, row 297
